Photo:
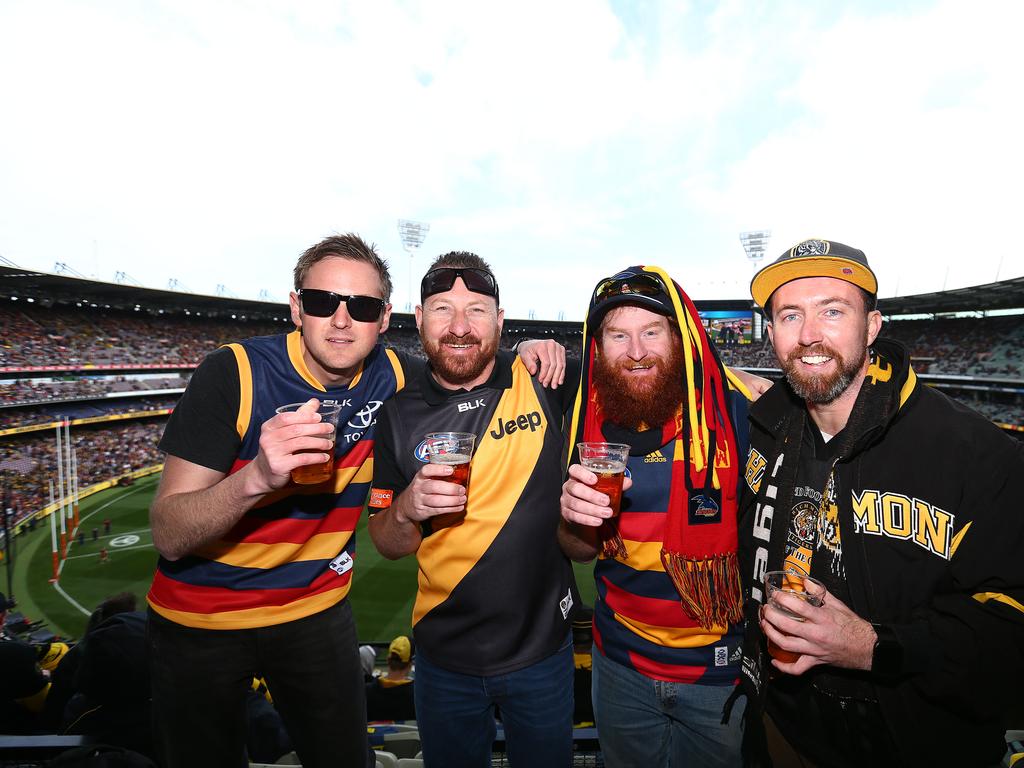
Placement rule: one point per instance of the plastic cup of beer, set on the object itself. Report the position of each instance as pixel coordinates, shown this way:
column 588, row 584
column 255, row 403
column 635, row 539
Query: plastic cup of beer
column 808, row 589
column 456, row 450
column 312, row 474
column 608, row 462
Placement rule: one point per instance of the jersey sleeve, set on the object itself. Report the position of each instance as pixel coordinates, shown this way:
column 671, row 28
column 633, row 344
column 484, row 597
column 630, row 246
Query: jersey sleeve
column 201, row 428
column 388, row 481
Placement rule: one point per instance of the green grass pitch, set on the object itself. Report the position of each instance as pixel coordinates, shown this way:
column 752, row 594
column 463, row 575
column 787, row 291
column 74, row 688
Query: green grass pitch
column 382, row 591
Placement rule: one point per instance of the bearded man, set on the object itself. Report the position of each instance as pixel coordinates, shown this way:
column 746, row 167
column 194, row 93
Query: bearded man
column 492, row 618
column 666, row 634
column 898, row 510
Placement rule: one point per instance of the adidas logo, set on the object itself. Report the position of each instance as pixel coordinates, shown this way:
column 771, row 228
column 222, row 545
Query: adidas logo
column 655, row 457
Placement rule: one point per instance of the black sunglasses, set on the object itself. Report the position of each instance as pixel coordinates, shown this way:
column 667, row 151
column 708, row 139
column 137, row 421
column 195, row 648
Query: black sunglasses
column 443, row 278
column 629, row 284
column 365, row 309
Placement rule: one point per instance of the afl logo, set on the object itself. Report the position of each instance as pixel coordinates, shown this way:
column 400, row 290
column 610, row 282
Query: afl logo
column 364, row 418
column 420, row 452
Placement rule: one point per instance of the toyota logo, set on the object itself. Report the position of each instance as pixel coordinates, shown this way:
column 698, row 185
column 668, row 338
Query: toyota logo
column 364, row 418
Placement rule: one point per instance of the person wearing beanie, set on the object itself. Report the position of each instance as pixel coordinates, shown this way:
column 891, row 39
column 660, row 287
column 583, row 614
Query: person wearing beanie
column 668, row 606
column 392, row 695
column 898, row 511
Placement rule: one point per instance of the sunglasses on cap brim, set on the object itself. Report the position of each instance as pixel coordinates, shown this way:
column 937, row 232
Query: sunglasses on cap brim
column 629, row 284
column 443, row 278
column 317, row 303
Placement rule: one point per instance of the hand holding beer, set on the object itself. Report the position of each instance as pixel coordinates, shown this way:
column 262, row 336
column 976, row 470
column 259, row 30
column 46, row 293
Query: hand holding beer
column 327, row 412
column 593, row 492
column 455, row 450
column 807, row 589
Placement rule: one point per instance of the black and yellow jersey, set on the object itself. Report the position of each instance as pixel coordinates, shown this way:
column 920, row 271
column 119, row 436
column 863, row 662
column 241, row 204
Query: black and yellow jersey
column 495, row 591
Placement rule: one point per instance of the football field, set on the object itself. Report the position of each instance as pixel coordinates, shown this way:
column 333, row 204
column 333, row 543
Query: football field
column 382, row 591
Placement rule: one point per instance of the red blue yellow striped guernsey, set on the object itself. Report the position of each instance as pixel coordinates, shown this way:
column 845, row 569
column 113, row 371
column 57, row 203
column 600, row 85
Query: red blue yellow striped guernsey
column 293, row 554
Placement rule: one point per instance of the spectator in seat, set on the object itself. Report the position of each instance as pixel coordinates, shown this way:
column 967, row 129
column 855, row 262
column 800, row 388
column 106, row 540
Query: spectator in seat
column 390, row 696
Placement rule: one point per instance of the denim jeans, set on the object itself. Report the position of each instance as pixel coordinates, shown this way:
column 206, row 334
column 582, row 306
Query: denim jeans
column 455, row 714
column 648, row 723
column 200, row 678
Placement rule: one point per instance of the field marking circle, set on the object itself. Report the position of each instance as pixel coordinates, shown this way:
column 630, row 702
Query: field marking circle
column 124, row 541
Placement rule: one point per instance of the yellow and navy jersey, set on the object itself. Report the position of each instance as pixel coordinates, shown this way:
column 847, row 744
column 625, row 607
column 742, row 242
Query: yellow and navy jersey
column 292, row 554
column 495, row 591
column 639, row 621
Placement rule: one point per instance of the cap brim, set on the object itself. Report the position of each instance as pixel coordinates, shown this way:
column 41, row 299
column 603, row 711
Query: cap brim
column 774, row 276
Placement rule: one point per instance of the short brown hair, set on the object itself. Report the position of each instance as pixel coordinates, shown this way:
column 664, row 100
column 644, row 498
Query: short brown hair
column 351, row 247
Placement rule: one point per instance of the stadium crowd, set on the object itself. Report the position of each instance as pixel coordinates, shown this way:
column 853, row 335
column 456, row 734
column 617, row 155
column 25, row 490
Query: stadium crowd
column 103, row 452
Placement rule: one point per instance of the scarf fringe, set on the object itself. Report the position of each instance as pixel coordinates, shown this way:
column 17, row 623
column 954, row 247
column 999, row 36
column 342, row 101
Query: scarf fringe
column 709, row 588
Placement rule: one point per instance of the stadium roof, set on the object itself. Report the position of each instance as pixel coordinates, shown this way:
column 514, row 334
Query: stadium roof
column 48, row 289
column 1006, row 294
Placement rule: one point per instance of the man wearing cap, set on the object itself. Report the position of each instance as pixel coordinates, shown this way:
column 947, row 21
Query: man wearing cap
column 492, row 614
column 23, row 686
column 666, row 618
column 905, row 505
column 391, row 696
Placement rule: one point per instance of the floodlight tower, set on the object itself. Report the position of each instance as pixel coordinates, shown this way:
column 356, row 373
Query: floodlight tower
column 755, row 243
column 413, row 233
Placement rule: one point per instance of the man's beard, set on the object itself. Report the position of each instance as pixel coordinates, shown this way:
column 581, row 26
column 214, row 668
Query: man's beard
column 629, row 402
column 821, row 389
column 460, row 369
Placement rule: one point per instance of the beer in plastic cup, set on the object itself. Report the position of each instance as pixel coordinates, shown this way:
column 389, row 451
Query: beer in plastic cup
column 313, row 474
column 608, row 462
column 456, row 450
column 790, row 583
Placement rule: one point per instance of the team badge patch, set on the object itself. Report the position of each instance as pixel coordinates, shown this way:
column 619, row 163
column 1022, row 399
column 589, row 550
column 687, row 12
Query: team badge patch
column 704, row 510
column 810, row 248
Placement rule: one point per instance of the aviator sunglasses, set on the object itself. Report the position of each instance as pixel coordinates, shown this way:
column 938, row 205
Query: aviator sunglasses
column 443, row 278
column 364, row 309
column 629, row 284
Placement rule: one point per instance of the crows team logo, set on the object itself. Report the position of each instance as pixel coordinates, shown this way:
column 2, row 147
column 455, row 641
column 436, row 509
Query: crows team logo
column 704, row 509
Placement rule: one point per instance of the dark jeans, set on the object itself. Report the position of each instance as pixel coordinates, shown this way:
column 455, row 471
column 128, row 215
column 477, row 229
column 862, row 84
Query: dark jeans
column 455, row 714
column 200, row 678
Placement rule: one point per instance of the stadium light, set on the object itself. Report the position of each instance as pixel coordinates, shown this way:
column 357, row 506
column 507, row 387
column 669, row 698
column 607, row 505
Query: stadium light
column 413, row 233
column 755, row 243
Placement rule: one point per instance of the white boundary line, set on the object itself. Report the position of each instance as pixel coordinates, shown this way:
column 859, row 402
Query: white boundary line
column 60, row 570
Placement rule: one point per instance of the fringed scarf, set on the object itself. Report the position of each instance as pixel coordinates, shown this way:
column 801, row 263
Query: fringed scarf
column 699, row 547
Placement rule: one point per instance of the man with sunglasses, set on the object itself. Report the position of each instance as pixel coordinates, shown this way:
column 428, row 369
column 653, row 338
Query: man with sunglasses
column 254, row 569
column 492, row 616
column 668, row 608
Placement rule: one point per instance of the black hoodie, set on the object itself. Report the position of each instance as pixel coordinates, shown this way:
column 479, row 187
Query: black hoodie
column 930, row 498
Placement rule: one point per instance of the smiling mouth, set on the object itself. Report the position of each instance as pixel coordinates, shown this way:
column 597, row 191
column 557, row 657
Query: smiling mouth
column 814, row 359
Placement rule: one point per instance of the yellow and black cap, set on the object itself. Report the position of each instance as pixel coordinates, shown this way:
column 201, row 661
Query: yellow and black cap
column 814, row 258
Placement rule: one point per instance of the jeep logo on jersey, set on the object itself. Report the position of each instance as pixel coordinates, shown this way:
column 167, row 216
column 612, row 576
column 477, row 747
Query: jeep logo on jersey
column 420, row 452
column 524, row 421
column 364, row 418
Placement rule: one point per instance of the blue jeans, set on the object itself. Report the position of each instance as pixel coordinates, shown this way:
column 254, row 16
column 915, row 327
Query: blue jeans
column 455, row 714
column 647, row 723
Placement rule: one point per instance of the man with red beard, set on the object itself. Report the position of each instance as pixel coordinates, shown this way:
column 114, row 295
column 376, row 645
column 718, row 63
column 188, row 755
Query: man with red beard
column 899, row 511
column 666, row 618
column 492, row 618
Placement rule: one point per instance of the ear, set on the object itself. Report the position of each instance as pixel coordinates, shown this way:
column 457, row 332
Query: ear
column 419, row 317
column 501, row 320
column 771, row 332
column 296, row 308
column 874, row 325
column 385, row 318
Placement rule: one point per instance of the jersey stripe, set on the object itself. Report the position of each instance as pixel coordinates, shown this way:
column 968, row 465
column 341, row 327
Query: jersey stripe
column 244, row 387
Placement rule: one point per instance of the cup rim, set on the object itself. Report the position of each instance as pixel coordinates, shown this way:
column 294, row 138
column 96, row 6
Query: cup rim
column 816, row 582
column 617, row 446
column 450, row 435
column 331, row 408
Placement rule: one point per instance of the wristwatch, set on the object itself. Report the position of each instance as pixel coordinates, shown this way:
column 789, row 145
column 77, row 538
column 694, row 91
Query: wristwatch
column 887, row 657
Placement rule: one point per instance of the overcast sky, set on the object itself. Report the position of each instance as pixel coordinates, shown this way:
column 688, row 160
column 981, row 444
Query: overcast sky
column 212, row 142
